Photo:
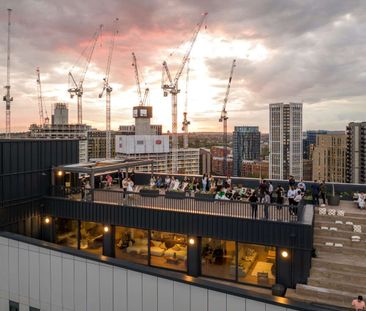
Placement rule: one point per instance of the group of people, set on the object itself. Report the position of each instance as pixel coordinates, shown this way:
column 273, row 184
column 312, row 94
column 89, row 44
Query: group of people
column 266, row 194
column 126, row 181
column 193, row 184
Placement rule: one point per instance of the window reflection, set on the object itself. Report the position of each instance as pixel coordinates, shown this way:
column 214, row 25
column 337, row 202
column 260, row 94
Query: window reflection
column 168, row 250
column 218, row 258
column 91, row 235
column 131, row 244
column 66, row 232
column 256, row 264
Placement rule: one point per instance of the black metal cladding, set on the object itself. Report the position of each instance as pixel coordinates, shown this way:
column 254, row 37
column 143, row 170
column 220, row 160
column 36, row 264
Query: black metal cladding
column 25, row 166
column 292, row 235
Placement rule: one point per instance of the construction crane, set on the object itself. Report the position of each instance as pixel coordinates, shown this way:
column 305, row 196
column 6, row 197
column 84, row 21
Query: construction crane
column 185, row 122
column 7, row 98
column 224, row 117
column 40, row 99
column 172, row 88
column 77, row 87
column 108, row 90
column 42, row 108
column 146, row 93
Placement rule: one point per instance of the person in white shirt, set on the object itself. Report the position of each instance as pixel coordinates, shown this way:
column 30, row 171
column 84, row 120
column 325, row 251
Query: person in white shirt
column 297, row 200
column 167, row 182
column 270, row 190
column 130, row 185
column 361, row 200
column 291, row 193
column 124, row 186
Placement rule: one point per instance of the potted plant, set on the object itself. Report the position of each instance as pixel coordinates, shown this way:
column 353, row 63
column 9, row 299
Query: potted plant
column 333, row 199
column 175, row 194
column 204, row 196
column 149, row 192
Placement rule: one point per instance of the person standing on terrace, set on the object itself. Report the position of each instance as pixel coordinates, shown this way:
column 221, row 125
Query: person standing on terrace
column 124, row 186
column 361, row 200
column 315, row 189
column 279, row 194
column 266, row 201
column 270, row 190
column 262, row 190
column 204, row 183
column 323, row 190
column 253, row 203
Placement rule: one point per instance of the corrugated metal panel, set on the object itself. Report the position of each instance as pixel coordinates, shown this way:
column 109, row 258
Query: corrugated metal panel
column 25, row 166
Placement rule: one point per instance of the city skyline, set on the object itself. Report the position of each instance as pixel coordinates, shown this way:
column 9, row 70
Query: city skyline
column 316, row 60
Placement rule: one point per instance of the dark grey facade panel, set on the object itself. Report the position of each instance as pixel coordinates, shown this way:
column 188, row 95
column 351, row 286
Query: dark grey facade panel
column 25, row 166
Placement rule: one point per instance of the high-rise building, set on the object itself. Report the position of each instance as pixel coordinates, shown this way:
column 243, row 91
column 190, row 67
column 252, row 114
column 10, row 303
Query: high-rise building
column 356, row 152
column 285, row 141
column 60, row 114
column 246, row 146
column 309, row 142
column 205, row 161
column 329, row 157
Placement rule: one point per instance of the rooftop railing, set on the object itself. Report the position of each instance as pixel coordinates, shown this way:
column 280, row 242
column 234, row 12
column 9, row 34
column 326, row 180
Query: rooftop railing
column 184, row 203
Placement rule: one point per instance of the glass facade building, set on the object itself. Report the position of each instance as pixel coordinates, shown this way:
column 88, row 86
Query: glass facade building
column 246, row 146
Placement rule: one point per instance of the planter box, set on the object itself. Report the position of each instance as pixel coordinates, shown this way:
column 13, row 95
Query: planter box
column 149, row 193
column 333, row 200
column 278, row 290
column 204, row 197
column 175, row 195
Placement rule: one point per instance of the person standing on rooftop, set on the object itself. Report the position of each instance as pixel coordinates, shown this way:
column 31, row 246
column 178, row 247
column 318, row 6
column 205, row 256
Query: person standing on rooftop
column 315, row 189
column 322, row 190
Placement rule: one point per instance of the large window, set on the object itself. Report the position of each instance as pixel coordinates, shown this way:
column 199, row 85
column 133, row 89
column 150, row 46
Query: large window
column 256, row 264
column 218, row 258
column 131, row 244
column 91, row 235
column 66, row 232
column 168, row 250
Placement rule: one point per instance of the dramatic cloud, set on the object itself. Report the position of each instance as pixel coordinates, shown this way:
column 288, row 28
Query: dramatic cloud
column 308, row 51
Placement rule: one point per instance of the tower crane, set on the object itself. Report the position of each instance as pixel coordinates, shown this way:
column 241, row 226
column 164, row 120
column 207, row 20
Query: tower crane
column 40, row 99
column 108, row 90
column 185, row 122
column 42, row 108
column 224, row 117
column 146, row 93
column 7, row 98
column 171, row 86
column 77, row 87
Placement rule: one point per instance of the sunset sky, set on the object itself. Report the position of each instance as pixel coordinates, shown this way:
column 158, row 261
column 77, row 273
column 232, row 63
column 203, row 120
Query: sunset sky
column 302, row 51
